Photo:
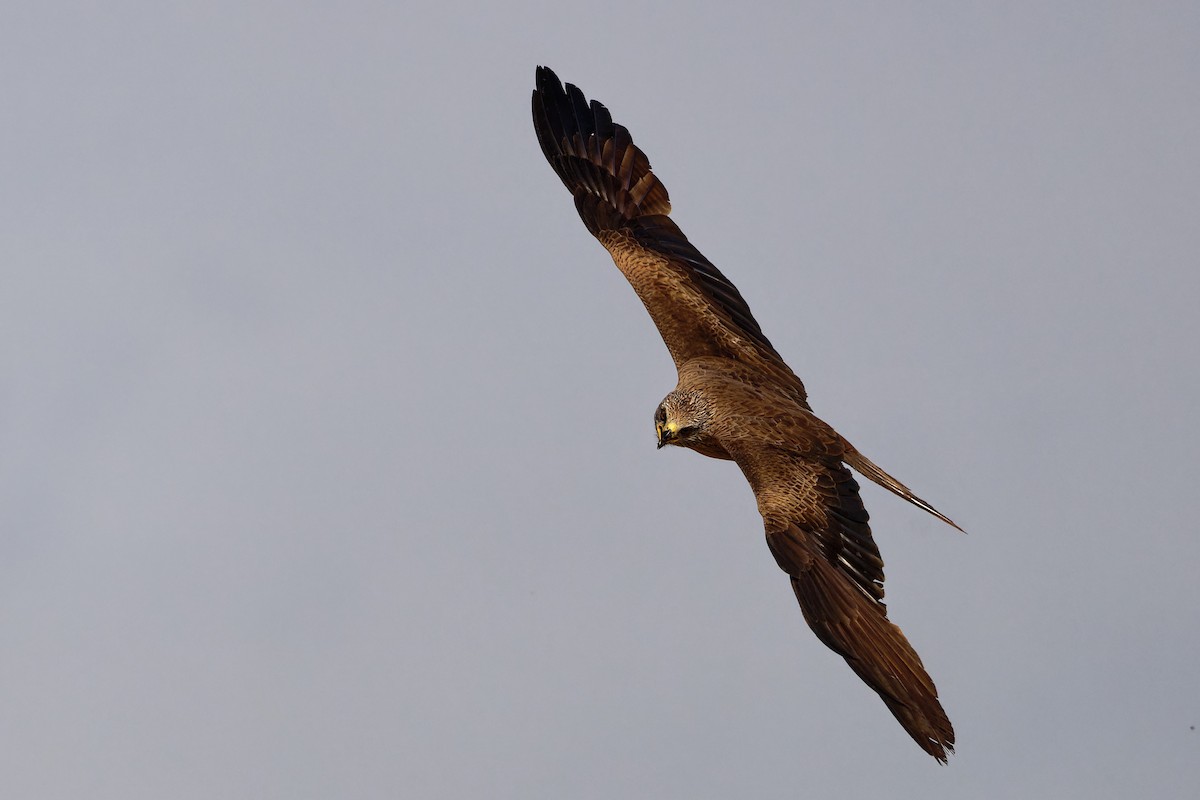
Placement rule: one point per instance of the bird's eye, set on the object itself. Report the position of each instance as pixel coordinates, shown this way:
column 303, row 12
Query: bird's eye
column 660, row 415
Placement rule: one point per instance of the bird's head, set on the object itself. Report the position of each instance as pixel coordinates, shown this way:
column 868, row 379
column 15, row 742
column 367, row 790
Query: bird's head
column 680, row 418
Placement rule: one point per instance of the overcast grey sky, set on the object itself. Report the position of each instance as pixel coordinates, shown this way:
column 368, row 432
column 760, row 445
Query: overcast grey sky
column 327, row 466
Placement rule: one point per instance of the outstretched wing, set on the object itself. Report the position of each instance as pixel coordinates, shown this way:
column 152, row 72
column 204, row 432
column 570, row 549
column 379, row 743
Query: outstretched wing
column 697, row 310
column 818, row 531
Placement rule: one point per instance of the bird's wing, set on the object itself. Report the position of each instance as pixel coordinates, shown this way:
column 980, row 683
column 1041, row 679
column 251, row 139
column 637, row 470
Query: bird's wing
column 697, row 310
column 817, row 530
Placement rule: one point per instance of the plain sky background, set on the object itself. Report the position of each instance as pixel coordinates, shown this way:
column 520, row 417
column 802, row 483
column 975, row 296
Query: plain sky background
column 327, row 466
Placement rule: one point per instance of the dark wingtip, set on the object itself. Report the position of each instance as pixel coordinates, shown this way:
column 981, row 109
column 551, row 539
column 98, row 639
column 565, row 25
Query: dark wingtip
column 595, row 158
column 545, row 80
column 855, row 627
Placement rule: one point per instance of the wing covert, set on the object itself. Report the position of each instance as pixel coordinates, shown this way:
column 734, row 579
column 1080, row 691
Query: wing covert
column 816, row 493
column 698, row 311
column 817, row 530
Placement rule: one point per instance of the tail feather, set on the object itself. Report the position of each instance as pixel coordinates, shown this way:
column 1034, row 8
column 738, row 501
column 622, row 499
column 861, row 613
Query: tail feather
column 867, row 468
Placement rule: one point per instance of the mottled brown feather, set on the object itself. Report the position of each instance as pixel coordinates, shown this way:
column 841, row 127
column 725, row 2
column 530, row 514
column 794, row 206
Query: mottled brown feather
column 745, row 403
column 698, row 311
column 817, row 530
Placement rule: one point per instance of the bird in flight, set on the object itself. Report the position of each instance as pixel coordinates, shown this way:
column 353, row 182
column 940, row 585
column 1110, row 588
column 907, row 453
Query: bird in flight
column 736, row 399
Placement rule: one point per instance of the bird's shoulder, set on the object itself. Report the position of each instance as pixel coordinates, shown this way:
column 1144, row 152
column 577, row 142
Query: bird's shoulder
column 759, row 410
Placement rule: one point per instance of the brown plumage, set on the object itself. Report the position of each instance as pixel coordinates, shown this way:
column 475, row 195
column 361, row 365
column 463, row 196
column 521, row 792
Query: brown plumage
column 737, row 399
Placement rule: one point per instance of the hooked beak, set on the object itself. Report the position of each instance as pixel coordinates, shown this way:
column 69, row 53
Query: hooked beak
column 665, row 435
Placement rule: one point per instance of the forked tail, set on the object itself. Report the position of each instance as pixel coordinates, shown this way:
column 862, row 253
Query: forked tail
column 867, row 468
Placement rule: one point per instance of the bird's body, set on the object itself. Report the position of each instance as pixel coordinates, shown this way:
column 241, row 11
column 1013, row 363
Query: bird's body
column 737, row 399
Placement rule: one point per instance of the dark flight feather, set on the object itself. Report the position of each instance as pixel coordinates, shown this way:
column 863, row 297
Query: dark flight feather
column 857, row 629
column 626, row 207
